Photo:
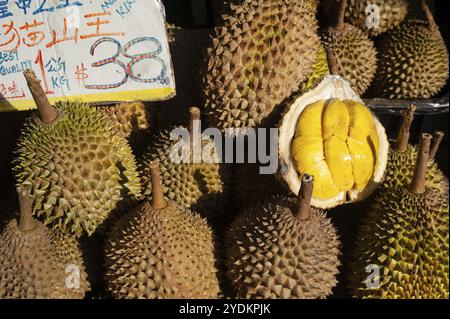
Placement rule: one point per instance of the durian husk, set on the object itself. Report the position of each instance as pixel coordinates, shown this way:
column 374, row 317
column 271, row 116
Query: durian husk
column 331, row 87
column 33, row 264
column 78, row 168
column 413, row 62
column 272, row 254
column 161, row 253
column 258, row 57
column 319, row 71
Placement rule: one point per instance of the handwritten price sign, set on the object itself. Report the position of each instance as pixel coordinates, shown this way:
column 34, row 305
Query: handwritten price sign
column 93, row 50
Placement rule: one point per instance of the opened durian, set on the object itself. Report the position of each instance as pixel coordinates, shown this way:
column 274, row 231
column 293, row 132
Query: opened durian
column 283, row 249
column 37, row 262
column 258, row 57
column 402, row 245
column 161, row 250
column 355, row 54
column 79, row 167
column 372, row 16
column 329, row 133
column 403, row 156
column 191, row 171
column 413, row 61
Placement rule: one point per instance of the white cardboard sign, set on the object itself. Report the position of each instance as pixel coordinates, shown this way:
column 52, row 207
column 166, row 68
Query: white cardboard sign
column 93, row 50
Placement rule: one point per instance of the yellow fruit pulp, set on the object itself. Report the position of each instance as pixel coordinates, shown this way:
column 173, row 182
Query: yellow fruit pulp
column 336, row 142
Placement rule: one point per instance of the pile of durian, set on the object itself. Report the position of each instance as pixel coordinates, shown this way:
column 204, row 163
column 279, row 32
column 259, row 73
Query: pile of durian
column 92, row 204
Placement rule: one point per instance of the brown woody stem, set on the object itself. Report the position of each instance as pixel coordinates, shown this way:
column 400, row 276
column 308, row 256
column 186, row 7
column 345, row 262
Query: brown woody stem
column 418, row 182
column 47, row 113
column 26, row 221
column 437, row 139
column 426, row 10
column 332, row 65
column 341, row 15
column 401, row 144
column 158, row 200
column 304, row 197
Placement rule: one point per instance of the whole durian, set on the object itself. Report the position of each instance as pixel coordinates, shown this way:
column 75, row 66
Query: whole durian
column 402, row 246
column 37, row 262
column 283, row 249
column 362, row 15
column 402, row 158
column 79, row 167
column 354, row 52
column 258, row 57
column 413, row 61
column 193, row 182
column 161, row 250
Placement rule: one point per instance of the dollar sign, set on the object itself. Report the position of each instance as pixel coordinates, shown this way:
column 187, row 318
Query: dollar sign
column 372, row 12
column 373, row 279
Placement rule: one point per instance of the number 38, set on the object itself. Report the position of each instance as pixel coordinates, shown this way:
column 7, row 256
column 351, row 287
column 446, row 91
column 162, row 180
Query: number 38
column 129, row 68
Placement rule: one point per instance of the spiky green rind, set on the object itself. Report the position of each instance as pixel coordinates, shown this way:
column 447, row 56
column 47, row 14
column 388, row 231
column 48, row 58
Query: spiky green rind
column 406, row 236
column 259, row 55
column 272, row 254
column 319, row 70
column 161, row 253
column 40, row 263
column 413, row 62
column 202, row 187
column 78, row 168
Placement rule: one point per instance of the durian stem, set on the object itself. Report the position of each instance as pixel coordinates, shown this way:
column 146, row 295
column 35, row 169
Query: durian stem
column 437, row 139
column 304, row 197
column 194, row 116
column 401, row 144
column 426, row 10
column 331, row 59
column 158, row 200
column 418, row 182
column 26, row 221
column 341, row 15
column 47, row 113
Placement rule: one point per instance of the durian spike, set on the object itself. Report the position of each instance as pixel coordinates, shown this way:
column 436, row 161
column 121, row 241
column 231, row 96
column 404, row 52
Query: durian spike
column 158, row 200
column 418, row 182
column 341, row 15
column 47, row 113
column 26, row 221
column 331, row 59
column 437, row 139
column 304, row 197
column 403, row 136
column 426, row 10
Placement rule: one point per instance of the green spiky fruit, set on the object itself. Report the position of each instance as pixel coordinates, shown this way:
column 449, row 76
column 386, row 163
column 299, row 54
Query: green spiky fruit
column 319, row 70
column 258, row 57
column 355, row 54
column 275, row 251
column 37, row 262
column 391, row 14
column 161, row 250
column 78, row 165
column 413, row 62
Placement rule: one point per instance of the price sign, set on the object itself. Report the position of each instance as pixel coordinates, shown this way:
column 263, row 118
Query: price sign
column 90, row 50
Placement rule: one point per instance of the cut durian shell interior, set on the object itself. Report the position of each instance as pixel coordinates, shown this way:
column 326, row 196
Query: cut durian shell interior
column 331, row 87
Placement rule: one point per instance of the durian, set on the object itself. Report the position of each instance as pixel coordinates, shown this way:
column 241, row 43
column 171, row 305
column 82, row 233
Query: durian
column 37, row 262
column 402, row 246
column 79, row 167
column 413, row 61
column 329, row 133
column 258, row 57
column 355, row 53
column 161, row 250
column 363, row 14
column 196, row 181
column 283, row 249
column 402, row 158
column 319, row 70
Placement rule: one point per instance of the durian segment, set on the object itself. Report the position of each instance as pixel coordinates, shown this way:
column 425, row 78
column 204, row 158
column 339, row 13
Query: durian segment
column 78, row 168
column 272, row 254
column 307, row 154
column 40, row 263
column 161, row 253
column 405, row 237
